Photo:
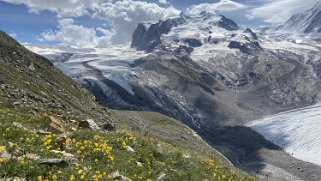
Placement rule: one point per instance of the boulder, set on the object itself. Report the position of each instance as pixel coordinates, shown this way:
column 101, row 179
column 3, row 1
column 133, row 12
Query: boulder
column 139, row 164
column 55, row 126
column 32, row 67
column 129, row 149
column 108, row 127
column 89, row 123
column 53, row 161
column 43, row 132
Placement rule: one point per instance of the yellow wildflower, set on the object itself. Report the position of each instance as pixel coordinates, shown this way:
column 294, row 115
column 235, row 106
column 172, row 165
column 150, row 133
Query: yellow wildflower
column 3, row 148
column 2, row 160
column 111, row 157
column 123, row 144
column 39, row 178
column 80, row 172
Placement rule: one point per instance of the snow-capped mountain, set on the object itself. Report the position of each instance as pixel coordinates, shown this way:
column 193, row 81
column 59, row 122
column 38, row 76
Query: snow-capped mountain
column 188, row 32
column 307, row 22
column 208, row 72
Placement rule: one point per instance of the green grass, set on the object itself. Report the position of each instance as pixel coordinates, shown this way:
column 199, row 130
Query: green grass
column 97, row 155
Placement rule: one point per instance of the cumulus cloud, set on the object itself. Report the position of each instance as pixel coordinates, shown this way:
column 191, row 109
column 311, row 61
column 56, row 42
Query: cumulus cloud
column 64, row 8
column 70, row 34
column 278, row 11
column 125, row 15
column 221, row 6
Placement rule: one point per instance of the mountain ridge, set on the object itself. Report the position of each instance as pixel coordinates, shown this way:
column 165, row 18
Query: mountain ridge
column 307, row 22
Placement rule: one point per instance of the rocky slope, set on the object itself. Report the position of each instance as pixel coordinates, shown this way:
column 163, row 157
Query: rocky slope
column 31, row 84
column 33, row 94
column 212, row 75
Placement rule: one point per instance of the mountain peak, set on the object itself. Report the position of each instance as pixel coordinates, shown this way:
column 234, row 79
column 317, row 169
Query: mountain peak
column 191, row 30
column 307, row 22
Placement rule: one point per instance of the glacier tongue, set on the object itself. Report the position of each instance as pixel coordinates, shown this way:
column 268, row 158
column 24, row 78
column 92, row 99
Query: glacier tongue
column 297, row 132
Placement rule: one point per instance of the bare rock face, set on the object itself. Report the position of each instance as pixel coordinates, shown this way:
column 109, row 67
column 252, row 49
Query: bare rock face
column 249, row 48
column 147, row 38
column 227, row 24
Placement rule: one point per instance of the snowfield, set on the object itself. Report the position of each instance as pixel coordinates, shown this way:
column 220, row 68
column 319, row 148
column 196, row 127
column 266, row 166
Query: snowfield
column 298, row 132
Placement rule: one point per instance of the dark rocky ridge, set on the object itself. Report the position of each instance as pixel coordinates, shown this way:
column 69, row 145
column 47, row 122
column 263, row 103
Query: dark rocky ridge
column 248, row 48
column 147, row 39
column 227, row 24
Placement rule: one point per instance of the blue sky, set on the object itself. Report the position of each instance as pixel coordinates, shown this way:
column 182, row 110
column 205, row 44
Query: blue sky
column 103, row 22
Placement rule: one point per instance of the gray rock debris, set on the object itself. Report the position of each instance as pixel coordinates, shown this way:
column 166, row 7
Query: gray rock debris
column 116, row 175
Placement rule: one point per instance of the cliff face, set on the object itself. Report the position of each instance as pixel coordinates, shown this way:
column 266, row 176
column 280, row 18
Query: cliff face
column 147, row 38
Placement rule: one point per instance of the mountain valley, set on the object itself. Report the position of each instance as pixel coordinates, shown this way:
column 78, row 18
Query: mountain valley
column 213, row 75
column 193, row 96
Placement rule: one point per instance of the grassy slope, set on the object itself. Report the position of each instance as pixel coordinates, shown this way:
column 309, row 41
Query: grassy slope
column 29, row 96
column 45, row 87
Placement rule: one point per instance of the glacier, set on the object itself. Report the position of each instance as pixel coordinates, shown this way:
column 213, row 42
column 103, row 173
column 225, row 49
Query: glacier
column 298, row 132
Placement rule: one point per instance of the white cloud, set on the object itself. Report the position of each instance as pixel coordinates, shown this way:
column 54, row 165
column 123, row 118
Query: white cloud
column 77, row 35
column 125, row 15
column 122, row 15
column 221, row 6
column 64, row 8
column 278, row 11
column 163, row 1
